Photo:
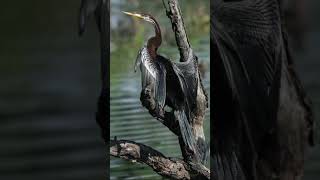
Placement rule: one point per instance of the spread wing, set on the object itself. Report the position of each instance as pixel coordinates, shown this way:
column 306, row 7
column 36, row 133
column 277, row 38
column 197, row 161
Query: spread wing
column 187, row 74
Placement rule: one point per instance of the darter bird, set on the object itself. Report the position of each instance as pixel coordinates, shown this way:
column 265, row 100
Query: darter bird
column 171, row 83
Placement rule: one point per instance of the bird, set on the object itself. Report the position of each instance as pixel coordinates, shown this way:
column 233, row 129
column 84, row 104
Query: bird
column 170, row 83
column 251, row 81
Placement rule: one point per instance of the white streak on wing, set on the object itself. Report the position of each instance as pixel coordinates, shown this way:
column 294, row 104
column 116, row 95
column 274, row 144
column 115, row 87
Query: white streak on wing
column 147, row 62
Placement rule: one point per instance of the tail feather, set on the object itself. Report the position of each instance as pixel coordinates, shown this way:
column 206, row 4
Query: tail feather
column 160, row 89
column 186, row 131
column 204, row 150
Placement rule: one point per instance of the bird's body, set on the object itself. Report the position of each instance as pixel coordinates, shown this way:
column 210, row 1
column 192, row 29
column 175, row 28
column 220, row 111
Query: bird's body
column 169, row 86
column 153, row 78
column 145, row 58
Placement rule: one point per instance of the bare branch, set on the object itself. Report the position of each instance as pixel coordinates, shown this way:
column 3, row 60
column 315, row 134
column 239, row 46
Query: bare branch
column 137, row 152
column 168, row 167
column 175, row 16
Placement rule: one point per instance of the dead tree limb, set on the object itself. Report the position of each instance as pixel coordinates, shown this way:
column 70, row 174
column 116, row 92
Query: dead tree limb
column 164, row 166
column 174, row 14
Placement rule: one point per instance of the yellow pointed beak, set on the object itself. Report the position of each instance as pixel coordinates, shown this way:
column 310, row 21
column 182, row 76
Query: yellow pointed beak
column 133, row 14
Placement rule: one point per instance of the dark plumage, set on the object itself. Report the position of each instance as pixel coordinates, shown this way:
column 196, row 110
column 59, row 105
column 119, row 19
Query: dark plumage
column 250, row 53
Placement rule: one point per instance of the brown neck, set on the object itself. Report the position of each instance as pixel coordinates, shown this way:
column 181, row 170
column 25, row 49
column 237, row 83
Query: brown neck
column 154, row 42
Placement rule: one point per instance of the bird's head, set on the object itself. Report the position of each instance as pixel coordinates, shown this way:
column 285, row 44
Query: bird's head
column 153, row 42
column 143, row 16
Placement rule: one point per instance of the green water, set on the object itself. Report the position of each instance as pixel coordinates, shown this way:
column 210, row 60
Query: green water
column 129, row 120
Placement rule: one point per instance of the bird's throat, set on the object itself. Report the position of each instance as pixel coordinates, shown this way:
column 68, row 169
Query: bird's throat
column 153, row 45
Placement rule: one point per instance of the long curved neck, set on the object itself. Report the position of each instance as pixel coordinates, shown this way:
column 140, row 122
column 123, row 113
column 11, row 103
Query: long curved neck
column 154, row 42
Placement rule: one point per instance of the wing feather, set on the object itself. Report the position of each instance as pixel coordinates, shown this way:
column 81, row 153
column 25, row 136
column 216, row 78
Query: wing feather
column 160, row 90
column 153, row 73
column 187, row 74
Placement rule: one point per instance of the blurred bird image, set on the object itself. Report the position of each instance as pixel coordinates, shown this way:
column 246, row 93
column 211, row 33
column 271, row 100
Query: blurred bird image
column 257, row 95
column 100, row 10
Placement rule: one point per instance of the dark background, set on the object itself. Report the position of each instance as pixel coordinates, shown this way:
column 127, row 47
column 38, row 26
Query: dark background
column 305, row 32
column 50, row 83
column 48, row 92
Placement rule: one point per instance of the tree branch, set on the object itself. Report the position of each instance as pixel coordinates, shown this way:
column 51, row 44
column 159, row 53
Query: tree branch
column 175, row 16
column 168, row 167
